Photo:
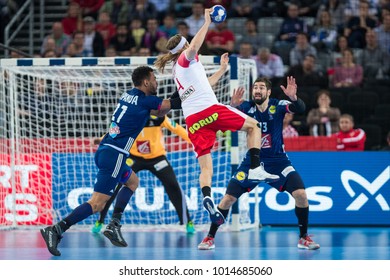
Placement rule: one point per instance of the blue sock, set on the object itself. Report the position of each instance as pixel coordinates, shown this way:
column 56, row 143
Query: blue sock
column 123, row 198
column 78, row 214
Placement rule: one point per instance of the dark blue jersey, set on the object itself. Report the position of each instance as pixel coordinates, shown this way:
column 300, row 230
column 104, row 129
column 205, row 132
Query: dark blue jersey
column 271, row 121
column 129, row 118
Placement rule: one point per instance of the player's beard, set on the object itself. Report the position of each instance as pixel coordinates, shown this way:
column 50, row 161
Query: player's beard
column 153, row 91
column 260, row 101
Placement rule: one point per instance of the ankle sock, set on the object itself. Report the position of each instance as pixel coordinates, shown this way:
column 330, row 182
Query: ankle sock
column 206, row 191
column 254, row 157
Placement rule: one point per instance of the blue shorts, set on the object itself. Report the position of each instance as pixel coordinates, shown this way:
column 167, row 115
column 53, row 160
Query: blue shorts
column 281, row 167
column 112, row 169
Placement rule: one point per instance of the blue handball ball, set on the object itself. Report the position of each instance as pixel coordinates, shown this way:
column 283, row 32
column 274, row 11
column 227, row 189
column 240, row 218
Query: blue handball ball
column 218, row 14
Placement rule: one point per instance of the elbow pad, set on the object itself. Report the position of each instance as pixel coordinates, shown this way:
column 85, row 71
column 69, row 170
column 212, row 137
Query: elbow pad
column 175, row 103
column 299, row 106
column 175, row 95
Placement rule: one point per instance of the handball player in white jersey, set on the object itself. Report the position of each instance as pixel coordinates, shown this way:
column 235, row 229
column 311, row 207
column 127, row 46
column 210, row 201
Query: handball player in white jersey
column 204, row 115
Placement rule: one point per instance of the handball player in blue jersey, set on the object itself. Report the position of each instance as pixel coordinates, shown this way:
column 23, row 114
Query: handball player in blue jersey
column 129, row 118
column 269, row 112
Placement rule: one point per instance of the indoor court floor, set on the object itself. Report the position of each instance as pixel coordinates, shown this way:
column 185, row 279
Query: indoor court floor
column 267, row 243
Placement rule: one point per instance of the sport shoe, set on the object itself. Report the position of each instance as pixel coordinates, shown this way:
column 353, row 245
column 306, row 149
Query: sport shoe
column 216, row 217
column 206, row 244
column 52, row 239
column 97, row 227
column 113, row 233
column 190, row 227
column 306, row 242
column 259, row 174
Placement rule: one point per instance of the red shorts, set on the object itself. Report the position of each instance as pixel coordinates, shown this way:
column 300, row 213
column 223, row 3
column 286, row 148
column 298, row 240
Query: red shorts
column 203, row 126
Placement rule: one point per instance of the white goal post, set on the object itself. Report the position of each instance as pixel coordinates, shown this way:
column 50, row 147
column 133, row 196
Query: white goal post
column 51, row 110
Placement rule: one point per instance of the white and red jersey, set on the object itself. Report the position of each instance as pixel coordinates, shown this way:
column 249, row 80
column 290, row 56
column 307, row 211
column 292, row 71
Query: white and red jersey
column 192, row 83
column 352, row 140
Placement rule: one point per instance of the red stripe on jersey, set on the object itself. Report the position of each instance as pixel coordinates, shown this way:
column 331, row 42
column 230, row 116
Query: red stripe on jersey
column 183, row 60
column 288, row 108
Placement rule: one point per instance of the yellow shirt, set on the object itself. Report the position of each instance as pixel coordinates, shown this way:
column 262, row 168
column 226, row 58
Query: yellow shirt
column 150, row 142
column 137, row 35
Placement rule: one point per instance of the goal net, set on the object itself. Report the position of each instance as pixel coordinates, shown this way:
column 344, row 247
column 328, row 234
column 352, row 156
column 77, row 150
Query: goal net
column 51, row 110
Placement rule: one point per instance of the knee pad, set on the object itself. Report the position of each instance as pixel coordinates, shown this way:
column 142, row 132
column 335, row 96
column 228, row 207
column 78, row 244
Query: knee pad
column 127, row 173
column 235, row 189
column 293, row 182
column 125, row 176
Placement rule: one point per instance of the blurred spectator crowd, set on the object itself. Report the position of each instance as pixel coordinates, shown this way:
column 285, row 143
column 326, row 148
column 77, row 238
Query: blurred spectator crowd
column 337, row 50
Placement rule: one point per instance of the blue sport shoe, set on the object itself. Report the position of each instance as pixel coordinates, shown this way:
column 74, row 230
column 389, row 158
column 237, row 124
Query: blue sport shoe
column 190, row 227
column 216, row 217
column 97, row 227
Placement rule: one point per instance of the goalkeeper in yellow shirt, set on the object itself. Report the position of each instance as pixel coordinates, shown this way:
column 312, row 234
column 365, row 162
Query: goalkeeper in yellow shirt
column 148, row 153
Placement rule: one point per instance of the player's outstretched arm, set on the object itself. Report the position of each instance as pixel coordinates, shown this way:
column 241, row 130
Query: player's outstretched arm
column 199, row 37
column 297, row 106
column 213, row 79
column 291, row 89
column 166, row 106
column 237, row 99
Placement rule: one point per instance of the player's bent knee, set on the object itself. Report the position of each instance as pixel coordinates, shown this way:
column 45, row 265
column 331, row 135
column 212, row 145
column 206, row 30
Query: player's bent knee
column 251, row 124
column 97, row 201
column 96, row 207
column 300, row 198
column 300, row 193
column 133, row 182
column 132, row 187
column 227, row 201
column 294, row 183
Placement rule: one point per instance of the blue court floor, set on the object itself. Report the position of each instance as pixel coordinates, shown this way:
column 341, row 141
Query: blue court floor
column 267, row 243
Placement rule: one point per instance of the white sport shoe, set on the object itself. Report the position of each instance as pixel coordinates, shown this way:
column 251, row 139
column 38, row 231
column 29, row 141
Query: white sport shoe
column 259, row 174
column 307, row 243
column 206, row 244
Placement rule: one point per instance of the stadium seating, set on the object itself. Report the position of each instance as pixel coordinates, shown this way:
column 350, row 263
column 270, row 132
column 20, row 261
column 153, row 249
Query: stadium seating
column 283, row 50
column 385, row 99
column 338, row 100
column 236, row 25
column 269, row 25
column 373, row 136
column 381, row 117
column 267, row 39
column 361, row 104
column 310, row 21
